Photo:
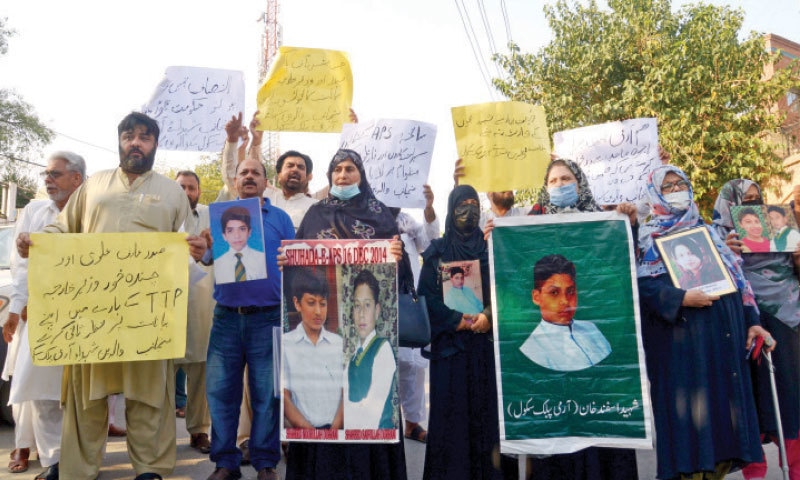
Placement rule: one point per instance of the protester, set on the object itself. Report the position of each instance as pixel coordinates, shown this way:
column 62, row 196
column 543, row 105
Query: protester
column 39, row 385
column 103, row 204
column 463, row 430
column 410, row 363
column 773, row 277
column 566, row 190
column 198, row 323
column 501, row 204
column 241, row 335
column 696, row 346
column 291, row 197
column 294, row 171
column 350, row 211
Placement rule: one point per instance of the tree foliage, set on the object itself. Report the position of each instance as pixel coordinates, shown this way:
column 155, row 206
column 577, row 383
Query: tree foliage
column 209, row 170
column 640, row 59
column 22, row 134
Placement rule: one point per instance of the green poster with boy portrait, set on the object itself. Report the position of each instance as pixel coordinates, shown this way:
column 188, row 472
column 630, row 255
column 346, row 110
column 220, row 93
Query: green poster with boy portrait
column 569, row 357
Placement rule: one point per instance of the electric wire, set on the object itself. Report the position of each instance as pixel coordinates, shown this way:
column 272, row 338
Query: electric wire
column 475, row 52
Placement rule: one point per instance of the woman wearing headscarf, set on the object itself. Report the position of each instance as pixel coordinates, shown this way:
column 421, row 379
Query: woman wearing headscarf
column 566, row 190
column 350, row 211
column 773, row 277
column 696, row 346
column 463, row 430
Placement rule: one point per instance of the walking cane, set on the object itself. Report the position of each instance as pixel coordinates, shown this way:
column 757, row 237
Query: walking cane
column 781, row 444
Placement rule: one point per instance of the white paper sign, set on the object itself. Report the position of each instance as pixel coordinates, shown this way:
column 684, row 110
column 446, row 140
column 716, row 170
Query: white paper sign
column 616, row 157
column 397, row 157
column 192, row 105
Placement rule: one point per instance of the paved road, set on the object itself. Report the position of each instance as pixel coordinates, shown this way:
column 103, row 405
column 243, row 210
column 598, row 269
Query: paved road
column 192, row 465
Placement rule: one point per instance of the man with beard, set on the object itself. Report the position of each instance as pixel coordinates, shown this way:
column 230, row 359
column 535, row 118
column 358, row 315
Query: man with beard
column 40, row 387
column 293, row 169
column 198, row 325
column 501, row 205
column 130, row 198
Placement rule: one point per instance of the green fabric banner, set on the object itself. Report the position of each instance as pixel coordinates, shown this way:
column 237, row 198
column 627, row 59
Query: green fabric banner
column 570, row 363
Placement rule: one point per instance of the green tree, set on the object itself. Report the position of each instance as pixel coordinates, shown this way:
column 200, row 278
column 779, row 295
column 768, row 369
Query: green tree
column 640, row 59
column 209, row 170
column 22, row 134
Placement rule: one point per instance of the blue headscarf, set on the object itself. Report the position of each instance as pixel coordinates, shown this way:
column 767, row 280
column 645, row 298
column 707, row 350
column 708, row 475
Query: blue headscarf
column 666, row 219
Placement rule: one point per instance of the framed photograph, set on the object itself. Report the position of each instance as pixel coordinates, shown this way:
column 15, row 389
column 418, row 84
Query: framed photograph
column 693, row 262
column 766, row 228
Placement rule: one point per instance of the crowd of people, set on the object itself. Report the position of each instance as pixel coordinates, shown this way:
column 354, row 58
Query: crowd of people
column 712, row 405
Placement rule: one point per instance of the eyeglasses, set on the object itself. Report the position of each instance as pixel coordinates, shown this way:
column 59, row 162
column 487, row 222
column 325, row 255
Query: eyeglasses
column 670, row 186
column 53, row 174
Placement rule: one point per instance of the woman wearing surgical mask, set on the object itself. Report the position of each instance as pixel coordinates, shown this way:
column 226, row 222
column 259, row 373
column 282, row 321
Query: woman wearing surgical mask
column 350, row 211
column 697, row 348
column 463, row 430
column 566, row 190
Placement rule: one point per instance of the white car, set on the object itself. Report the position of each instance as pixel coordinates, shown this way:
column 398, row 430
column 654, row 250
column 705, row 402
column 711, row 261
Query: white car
column 6, row 243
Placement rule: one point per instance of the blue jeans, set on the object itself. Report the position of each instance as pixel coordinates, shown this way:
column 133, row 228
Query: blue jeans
column 238, row 340
column 180, row 389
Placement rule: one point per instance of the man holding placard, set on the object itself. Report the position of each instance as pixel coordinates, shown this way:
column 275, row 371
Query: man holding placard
column 130, row 198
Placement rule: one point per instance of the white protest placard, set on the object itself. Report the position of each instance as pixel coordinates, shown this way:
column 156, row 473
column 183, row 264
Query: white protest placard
column 192, row 105
column 396, row 155
column 616, row 157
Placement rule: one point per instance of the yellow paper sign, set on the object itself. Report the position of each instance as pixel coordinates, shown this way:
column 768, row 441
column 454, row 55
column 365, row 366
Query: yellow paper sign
column 307, row 90
column 107, row 297
column 503, row 145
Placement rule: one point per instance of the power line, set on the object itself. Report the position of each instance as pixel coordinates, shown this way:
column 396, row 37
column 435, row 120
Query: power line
column 506, row 20
column 84, row 142
column 487, row 26
column 15, row 159
column 475, row 53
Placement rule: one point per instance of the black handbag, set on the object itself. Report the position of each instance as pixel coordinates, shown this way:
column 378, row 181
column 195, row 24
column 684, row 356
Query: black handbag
column 414, row 325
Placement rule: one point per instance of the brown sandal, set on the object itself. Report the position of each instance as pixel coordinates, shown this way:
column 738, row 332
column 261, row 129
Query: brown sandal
column 19, row 460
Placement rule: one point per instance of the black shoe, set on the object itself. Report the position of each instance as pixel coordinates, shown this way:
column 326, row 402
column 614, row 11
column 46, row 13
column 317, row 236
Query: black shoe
column 200, row 442
column 50, row 474
column 148, row 476
column 223, row 473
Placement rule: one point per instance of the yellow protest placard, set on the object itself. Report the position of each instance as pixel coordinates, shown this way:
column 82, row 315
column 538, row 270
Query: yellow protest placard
column 307, row 90
column 503, row 145
column 107, row 297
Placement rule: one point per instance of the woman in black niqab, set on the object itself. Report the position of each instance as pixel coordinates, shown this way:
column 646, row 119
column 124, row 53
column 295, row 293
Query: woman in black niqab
column 463, row 428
